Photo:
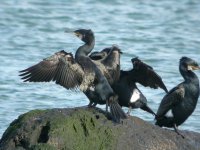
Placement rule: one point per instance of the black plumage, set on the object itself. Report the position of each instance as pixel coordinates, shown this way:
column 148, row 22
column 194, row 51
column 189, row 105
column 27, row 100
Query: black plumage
column 181, row 101
column 145, row 75
column 126, row 89
column 109, row 64
column 79, row 72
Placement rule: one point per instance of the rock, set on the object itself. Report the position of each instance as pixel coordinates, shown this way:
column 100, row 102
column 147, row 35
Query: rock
column 90, row 129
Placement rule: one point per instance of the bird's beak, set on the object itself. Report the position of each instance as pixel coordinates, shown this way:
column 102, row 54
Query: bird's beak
column 76, row 34
column 196, row 68
column 193, row 67
column 79, row 35
column 72, row 31
column 69, row 30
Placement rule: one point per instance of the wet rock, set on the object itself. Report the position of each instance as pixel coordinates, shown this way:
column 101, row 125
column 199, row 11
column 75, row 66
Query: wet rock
column 90, row 128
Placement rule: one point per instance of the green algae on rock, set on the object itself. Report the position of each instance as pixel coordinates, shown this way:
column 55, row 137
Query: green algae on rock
column 87, row 129
column 62, row 129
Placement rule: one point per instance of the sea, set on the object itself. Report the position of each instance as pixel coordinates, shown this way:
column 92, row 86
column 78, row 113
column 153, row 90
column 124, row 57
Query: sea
column 158, row 32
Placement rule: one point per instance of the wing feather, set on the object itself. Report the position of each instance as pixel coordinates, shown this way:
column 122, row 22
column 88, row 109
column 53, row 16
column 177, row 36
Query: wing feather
column 108, row 61
column 60, row 67
column 112, row 63
column 172, row 98
column 145, row 75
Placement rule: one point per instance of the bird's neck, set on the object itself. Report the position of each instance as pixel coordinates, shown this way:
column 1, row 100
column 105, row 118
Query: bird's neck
column 189, row 76
column 85, row 49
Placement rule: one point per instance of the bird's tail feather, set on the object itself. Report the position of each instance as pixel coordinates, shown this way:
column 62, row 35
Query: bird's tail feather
column 148, row 109
column 165, row 121
column 116, row 111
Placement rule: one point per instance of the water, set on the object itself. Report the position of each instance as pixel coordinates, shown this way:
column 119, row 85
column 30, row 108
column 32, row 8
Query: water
column 159, row 32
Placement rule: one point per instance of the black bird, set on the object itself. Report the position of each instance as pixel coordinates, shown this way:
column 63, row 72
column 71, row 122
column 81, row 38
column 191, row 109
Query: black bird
column 110, row 64
column 182, row 99
column 110, row 67
column 79, row 72
column 126, row 89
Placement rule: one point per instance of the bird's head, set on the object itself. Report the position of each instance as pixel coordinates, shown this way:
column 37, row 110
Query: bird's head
column 136, row 62
column 188, row 64
column 85, row 35
column 116, row 48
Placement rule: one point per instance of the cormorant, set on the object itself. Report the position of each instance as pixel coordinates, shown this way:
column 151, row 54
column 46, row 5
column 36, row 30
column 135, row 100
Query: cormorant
column 126, row 89
column 110, row 64
column 182, row 99
column 110, row 67
column 80, row 71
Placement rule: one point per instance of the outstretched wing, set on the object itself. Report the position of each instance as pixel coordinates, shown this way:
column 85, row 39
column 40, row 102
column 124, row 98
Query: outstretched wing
column 172, row 98
column 145, row 75
column 108, row 61
column 60, row 67
column 112, row 62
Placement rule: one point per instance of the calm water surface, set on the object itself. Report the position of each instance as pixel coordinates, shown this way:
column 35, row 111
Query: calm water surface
column 159, row 32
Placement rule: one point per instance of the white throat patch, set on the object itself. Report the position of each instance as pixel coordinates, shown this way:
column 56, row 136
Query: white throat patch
column 135, row 96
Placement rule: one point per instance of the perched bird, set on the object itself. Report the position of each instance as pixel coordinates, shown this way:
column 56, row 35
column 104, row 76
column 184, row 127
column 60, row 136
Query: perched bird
column 182, row 99
column 127, row 90
column 110, row 64
column 128, row 93
column 110, row 67
column 79, row 72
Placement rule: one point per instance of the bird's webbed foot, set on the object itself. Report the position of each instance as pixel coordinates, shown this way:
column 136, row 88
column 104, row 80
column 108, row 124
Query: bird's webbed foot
column 177, row 131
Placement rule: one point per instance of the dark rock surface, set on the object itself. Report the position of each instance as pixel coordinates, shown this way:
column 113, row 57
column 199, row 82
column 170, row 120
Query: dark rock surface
column 90, row 129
